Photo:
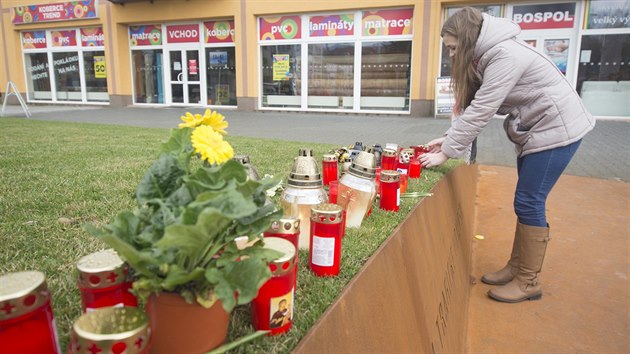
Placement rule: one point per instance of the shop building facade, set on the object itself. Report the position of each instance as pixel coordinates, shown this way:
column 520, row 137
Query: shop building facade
column 354, row 56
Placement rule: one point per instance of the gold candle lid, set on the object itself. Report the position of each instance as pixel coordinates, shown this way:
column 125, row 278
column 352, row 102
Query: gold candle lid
column 111, row 330
column 390, row 176
column 286, row 262
column 364, row 165
column 406, row 155
column 285, row 226
column 21, row 293
column 305, row 173
column 329, row 158
column 389, row 152
column 326, row 213
column 101, row 270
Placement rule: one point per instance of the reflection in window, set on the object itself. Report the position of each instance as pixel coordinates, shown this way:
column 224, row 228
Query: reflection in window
column 330, row 75
column 385, row 73
column 37, row 80
column 281, row 66
column 221, row 76
column 67, row 77
column 604, row 74
column 147, row 76
column 95, row 70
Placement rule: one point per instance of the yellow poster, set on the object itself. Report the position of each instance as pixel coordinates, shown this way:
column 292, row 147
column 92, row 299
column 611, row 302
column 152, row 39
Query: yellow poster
column 281, row 67
column 100, row 70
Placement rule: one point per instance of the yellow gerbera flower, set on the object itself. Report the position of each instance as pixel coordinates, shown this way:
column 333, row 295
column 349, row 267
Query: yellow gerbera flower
column 215, row 120
column 191, row 121
column 210, row 145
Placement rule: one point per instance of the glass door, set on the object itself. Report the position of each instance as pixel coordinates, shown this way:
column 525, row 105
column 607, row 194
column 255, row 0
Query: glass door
column 185, row 81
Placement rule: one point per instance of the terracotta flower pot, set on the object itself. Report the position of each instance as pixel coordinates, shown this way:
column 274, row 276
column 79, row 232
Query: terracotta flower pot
column 180, row 327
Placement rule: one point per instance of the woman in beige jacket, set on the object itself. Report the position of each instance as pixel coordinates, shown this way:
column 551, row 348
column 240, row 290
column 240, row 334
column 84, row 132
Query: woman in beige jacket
column 494, row 72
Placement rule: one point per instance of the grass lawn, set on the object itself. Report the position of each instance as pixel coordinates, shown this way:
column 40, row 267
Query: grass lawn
column 57, row 176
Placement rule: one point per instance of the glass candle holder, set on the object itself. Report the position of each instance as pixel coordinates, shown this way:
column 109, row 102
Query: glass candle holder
column 333, row 191
column 415, row 168
column 103, row 281
column 272, row 309
column 111, row 330
column 27, row 323
column 330, row 169
column 326, row 229
column 378, row 180
column 286, row 228
column 388, row 159
column 404, row 182
column 390, row 190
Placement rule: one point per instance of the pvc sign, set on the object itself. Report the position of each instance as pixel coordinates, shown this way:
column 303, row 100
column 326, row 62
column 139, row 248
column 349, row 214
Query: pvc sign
column 145, row 35
column 100, row 70
column 331, row 25
column 219, row 31
column 182, row 33
column 33, row 39
column 61, row 11
column 544, row 16
column 92, row 37
column 67, row 38
column 278, row 28
column 387, row 22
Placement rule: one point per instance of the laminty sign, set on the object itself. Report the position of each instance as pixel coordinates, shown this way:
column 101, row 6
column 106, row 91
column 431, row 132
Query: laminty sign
column 545, row 16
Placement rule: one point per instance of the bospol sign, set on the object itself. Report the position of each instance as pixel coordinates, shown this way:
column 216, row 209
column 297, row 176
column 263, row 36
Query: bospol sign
column 182, row 33
column 545, row 16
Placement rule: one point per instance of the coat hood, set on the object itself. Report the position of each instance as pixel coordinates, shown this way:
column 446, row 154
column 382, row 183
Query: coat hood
column 494, row 30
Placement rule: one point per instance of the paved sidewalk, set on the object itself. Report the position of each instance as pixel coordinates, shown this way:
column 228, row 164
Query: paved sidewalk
column 604, row 153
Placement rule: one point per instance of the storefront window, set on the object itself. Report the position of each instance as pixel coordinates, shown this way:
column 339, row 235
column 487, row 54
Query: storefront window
column 67, row 77
column 95, row 76
column 221, row 76
column 37, row 76
column 330, row 75
column 385, row 73
column 147, row 76
column 604, row 74
column 281, row 67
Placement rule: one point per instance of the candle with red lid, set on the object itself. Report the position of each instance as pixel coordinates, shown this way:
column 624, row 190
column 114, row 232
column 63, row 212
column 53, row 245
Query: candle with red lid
column 103, row 281
column 390, row 190
column 330, row 168
column 272, row 309
column 27, row 323
column 326, row 234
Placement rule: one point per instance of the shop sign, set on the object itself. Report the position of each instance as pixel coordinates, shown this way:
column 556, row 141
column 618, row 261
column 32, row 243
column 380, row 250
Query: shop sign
column 145, row 35
column 61, row 11
column 607, row 14
column 444, row 96
column 34, row 39
column 281, row 67
column 219, row 31
column 182, row 33
column 92, row 37
column 544, row 16
column 67, row 65
column 387, row 22
column 100, row 70
column 331, row 25
column 278, row 28
column 38, row 71
column 65, row 38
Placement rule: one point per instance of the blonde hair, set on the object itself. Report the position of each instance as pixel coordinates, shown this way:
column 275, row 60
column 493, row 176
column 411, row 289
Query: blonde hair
column 464, row 25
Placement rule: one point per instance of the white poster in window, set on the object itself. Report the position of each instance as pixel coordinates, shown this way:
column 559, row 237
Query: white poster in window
column 585, row 56
column 444, row 96
column 558, row 52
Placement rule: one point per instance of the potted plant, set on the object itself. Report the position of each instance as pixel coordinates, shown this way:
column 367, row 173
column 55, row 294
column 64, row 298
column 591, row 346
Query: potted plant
column 193, row 202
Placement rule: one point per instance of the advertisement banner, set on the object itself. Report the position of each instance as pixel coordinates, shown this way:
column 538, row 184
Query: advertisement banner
column 218, row 58
column 558, row 51
column 279, row 28
column 100, row 70
column 145, row 35
column 444, row 96
column 66, row 38
column 34, row 39
column 331, row 25
column 219, row 31
column 182, row 33
column 544, row 16
column 281, row 67
column 61, row 11
column 607, row 14
column 387, row 22
column 92, row 37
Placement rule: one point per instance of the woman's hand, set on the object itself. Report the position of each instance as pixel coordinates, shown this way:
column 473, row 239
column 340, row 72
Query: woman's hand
column 432, row 159
column 436, row 144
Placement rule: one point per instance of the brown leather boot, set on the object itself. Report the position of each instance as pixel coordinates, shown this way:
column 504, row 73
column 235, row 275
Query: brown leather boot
column 532, row 247
column 507, row 273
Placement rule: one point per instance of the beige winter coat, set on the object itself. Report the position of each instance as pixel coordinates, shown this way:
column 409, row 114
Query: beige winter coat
column 544, row 110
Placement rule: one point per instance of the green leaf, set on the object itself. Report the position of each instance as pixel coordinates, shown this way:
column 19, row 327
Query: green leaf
column 177, row 276
column 179, row 146
column 160, row 180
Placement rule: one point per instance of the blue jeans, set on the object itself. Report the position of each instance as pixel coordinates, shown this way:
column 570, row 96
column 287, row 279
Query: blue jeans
column 537, row 174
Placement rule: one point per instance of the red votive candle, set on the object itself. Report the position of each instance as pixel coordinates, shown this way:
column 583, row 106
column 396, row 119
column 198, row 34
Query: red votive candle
column 103, row 281
column 378, row 180
column 287, row 228
column 404, row 181
column 329, row 169
column 325, row 244
column 27, row 323
column 415, row 168
column 333, row 191
column 390, row 190
column 272, row 309
column 388, row 160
